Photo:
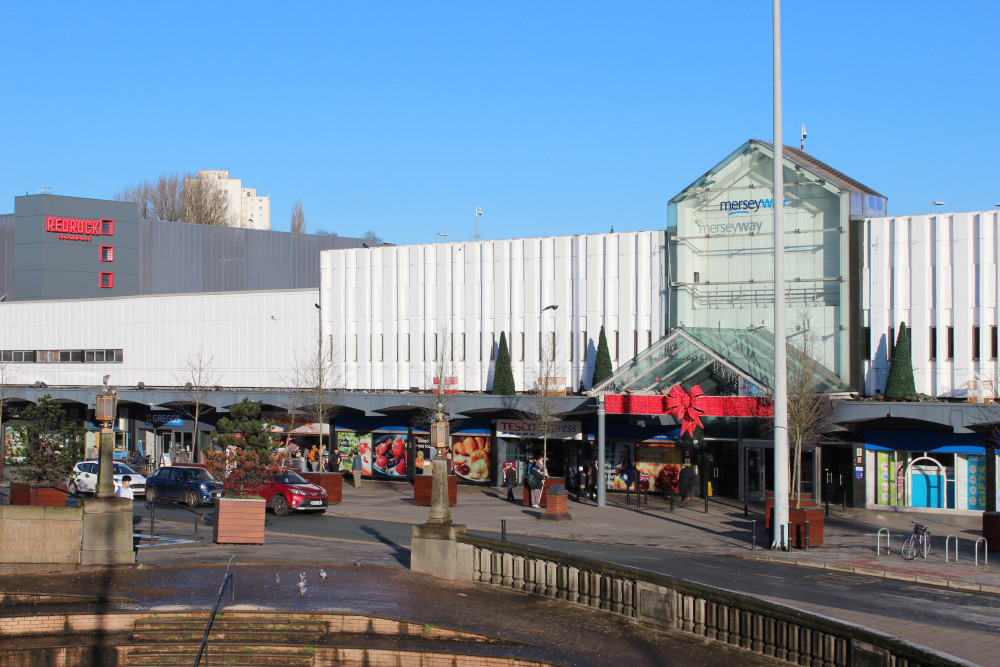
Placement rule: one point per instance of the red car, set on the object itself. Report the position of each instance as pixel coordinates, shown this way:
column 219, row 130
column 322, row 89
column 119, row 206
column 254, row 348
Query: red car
column 289, row 491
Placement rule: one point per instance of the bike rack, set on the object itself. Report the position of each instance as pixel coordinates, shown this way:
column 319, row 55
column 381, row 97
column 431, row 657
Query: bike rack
column 926, row 542
column 947, row 541
column 878, row 542
column 986, row 552
column 753, row 534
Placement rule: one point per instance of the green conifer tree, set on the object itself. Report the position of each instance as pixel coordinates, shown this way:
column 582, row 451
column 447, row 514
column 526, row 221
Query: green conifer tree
column 900, row 384
column 503, row 376
column 602, row 364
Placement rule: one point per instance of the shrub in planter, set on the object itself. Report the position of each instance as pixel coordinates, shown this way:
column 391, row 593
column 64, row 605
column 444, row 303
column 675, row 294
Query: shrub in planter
column 52, row 441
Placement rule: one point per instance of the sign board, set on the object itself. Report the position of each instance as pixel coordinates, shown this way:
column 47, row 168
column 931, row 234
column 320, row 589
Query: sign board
column 526, row 428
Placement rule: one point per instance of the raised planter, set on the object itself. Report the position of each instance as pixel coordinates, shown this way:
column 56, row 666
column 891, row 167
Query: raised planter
column 807, row 501
column 42, row 495
column 239, row 521
column 332, row 482
column 798, row 517
column 551, row 481
column 422, row 485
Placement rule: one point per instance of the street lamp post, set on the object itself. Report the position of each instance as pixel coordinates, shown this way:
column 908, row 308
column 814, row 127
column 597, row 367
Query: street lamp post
column 440, row 513
column 936, row 203
column 479, row 212
column 440, row 234
column 105, row 410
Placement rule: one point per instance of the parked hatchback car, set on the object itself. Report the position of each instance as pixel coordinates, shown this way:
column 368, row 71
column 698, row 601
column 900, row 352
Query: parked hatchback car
column 194, row 486
column 83, row 479
column 289, row 491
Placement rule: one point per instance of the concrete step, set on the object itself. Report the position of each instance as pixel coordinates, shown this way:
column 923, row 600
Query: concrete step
column 278, row 655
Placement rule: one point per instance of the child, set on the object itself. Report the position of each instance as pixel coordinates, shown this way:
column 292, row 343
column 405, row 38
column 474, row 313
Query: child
column 125, row 490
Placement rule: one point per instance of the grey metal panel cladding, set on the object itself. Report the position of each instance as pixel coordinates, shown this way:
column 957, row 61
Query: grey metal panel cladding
column 7, row 254
column 187, row 258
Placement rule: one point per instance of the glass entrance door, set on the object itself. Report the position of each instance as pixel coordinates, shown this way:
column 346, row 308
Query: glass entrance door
column 755, row 471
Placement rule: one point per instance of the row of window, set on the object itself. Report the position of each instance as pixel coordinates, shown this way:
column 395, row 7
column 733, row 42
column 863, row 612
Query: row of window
column 950, row 342
column 455, row 347
column 62, row 356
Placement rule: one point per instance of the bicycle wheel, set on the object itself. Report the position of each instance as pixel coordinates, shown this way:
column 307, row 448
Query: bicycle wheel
column 909, row 548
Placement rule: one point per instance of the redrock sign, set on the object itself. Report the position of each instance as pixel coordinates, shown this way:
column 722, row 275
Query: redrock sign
column 73, row 229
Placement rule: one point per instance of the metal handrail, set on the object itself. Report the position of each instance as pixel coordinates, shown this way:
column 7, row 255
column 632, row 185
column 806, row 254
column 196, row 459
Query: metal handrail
column 150, row 504
column 947, row 540
column 222, row 589
column 878, row 542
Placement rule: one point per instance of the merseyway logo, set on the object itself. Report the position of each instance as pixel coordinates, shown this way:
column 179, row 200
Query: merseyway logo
column 731, row 228
column 745, row 206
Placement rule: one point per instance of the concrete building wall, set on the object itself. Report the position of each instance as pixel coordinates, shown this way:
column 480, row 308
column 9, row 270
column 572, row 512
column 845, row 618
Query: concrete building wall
column 399, row 316
column 938, row 274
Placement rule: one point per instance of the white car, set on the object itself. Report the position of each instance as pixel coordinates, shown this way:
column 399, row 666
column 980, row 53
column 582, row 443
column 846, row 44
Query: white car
column 83, row 479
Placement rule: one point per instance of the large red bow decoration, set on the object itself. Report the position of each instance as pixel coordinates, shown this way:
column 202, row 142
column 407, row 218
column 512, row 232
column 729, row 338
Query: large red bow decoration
column 686, row 407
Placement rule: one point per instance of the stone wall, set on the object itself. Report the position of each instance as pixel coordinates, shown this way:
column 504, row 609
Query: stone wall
column 741, row 621
column 40, row 535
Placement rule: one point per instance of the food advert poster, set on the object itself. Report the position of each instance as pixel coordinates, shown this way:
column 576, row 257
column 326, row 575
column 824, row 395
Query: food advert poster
column 388, row 454
column 618, row 459
column 977, row 481
column 471, row 457
column 662, row 462
column 350, row 443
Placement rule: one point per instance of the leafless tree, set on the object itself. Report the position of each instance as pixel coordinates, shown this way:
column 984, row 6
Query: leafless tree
column 298, row 222
column 808, row 408
column 372, row 238
column 158, row 200
column 174, row 199
column 198, row 378
column 320, row 379
column 441, row 381
column 542, row 406
column 205, row 204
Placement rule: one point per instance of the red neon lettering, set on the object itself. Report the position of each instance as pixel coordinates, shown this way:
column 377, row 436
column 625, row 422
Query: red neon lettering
column 77, row 226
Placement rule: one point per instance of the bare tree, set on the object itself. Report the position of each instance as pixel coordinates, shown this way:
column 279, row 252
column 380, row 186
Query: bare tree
column 320, row 379
column 198, row 378
column 372, row 238
column 159, row 200
column 808, row 408
column 542, row 406
column 174, row 199
column 205, row 204
column 298, row 222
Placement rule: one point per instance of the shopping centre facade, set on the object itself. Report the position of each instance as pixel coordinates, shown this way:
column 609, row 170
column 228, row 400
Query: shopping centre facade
column 91, row 291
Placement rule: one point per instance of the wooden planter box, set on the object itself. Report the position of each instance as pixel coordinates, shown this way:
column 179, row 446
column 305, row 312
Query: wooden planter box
column 239, row 521
column 526, row 498
column 422, row 485
column 807, row 501
column 332, row 482
column 798, row 518
column 37, row 494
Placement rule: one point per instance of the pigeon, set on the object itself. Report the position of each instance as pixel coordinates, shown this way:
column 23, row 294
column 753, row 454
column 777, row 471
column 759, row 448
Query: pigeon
column 302, row 576
column 277, row 579
column 322, row 574
column 357, row 562
column 302, row 588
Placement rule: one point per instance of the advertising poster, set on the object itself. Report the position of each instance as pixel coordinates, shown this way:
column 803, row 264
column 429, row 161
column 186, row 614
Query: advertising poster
column 899, row 482
column 977, row 481
column 619, row 466
column 886, row 481
column 350, row 443
column 471, row 456
column 662, row 462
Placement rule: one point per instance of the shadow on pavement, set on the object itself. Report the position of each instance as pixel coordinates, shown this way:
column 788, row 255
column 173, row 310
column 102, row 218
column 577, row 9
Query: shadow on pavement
column 399, row 552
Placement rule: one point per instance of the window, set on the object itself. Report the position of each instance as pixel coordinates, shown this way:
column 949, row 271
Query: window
column 381, row 347
column 951, row 342
column 616, row 346
column 407, row 347
column 107, row 253
column 107, row 227
column 993, row 342
column 462, row 352
column 891, row 345
column 571, row 346
column 933, row 343
column 975, row 343
column 493, row 347
column 522, row 346
column 868, row 343
column 435, row 353
column 583, row 339
column 107, row 279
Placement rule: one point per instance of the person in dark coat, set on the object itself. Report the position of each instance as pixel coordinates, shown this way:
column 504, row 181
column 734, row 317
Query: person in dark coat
column 509, row 479
column 684, row 483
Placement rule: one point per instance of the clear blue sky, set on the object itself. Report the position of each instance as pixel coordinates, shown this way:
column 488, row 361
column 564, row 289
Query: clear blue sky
column 554, row 117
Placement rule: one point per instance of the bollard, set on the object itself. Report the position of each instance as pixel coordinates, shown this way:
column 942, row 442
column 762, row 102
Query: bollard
column 807, row 535
column 827, row 507
column 706, row 503
column 503, row 530
column 152, row 533
column 746, row 510
column 671, row 502
column 753, row 534
column 844, row 504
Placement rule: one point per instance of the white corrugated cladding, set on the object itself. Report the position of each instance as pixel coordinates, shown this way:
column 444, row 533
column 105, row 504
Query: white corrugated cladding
column 252, row 338
column 937, row 273
column 399, row 316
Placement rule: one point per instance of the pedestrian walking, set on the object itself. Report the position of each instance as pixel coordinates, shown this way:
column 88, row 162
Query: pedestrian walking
column 125, row 490
column 684, row 483
column 592, row 480
column 536, row 481
column 581, row 483
column 509, row 479
column 356, row 470
column 314, row 459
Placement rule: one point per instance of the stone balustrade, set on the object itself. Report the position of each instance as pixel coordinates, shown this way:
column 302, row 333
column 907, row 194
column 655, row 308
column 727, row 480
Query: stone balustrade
column 741, row 621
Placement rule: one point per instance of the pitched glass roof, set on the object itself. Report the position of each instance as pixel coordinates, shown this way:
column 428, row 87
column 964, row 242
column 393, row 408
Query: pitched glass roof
column 723, row 362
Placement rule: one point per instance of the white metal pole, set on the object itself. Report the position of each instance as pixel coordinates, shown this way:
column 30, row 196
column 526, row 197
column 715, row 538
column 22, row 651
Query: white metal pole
column 780, row 353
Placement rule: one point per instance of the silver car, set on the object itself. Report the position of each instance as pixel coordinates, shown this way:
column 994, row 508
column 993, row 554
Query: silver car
column 83, row 479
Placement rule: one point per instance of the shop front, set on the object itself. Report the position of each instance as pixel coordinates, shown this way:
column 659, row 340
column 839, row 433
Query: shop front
column 521, row 439
column 934, row 470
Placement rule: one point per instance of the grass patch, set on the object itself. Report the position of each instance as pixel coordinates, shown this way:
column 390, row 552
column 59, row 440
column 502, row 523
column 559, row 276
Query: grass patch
column 308, row 650
column 428, row 629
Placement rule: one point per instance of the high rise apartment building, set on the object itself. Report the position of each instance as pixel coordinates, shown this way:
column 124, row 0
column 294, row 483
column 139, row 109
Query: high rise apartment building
column 246, row 208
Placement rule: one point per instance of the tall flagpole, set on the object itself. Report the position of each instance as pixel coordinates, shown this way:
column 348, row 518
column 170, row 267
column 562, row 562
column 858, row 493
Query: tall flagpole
column 780, row 523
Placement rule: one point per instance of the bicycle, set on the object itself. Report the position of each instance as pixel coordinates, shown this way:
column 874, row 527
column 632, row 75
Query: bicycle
column 919, row 540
